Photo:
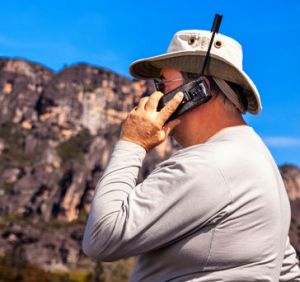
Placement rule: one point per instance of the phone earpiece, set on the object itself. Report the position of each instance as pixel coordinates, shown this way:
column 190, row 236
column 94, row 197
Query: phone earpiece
column 195, row 93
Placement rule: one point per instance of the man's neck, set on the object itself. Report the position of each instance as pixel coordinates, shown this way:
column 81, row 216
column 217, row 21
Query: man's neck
column 211, row 131
column 208, row 121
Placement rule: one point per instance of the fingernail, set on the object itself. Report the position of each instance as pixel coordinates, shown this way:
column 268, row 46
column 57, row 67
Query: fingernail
column 179, row 95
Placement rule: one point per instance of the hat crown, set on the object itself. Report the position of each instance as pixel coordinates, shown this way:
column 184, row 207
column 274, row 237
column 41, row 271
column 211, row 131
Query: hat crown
column 187, row 52
column 198, row 40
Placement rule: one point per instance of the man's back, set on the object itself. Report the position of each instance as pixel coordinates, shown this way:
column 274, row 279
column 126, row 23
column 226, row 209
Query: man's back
column 245, row 238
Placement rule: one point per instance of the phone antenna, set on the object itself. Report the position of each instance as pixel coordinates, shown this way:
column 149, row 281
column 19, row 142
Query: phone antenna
column 214, row 29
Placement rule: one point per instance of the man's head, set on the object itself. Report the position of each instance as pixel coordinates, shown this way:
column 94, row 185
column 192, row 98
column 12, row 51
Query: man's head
column 199, row 124
column 230, row 93
column 186, row 54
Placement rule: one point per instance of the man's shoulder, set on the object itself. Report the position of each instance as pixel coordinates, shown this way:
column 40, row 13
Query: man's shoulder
column 224, row 154
column 195, row 161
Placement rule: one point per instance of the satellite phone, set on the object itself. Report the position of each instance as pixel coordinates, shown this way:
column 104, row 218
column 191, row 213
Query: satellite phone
column 195, row 92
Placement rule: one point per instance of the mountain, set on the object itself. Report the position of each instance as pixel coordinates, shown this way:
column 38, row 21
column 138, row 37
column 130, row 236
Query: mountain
column 291, row 177
column 57, row 130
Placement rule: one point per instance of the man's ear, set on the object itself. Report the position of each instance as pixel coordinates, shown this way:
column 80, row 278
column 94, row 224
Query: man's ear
column 207, row 83
column 210, row 88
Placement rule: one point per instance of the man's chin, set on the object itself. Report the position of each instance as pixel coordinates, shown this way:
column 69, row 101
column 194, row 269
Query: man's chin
column 173, row 132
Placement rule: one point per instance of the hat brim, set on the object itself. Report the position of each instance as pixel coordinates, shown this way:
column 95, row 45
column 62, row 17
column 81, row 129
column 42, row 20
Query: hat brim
column 192, row 61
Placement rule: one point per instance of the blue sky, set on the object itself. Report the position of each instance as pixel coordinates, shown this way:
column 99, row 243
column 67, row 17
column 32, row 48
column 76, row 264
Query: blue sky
column 112, row 34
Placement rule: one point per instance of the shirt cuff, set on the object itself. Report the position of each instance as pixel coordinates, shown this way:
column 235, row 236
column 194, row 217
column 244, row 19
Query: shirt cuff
column 127, row 145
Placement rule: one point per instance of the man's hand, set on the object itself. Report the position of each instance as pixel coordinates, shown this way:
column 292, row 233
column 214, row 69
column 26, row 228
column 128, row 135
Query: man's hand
column 145, row 126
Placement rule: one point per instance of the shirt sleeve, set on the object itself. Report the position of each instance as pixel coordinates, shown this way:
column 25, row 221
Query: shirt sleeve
column 180, row 196
column 290, row 271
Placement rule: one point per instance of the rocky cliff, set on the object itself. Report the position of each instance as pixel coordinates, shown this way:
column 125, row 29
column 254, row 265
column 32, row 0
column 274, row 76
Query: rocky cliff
column 291, row 178
column 57, row 130
column 56, row 134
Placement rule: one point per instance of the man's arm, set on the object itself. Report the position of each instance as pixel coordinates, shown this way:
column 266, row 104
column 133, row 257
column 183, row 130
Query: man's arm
column 176, row 199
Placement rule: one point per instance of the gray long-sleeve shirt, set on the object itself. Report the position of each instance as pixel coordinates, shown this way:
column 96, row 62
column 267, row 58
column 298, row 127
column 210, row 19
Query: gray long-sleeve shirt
column 216, row 211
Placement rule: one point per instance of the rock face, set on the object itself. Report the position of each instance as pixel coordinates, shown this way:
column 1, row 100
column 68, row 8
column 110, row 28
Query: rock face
column 57, row 131
column 291, row 178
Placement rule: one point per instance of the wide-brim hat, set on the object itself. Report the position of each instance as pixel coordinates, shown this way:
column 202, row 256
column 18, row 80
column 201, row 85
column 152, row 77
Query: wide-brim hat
column 187, row 52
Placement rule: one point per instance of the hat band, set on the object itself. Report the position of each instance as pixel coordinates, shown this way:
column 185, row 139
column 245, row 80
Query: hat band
column 229, row 93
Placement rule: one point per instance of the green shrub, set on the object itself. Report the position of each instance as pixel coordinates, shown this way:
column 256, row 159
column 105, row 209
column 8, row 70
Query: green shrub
column 74, row 148
column 14, row 154
column 31, row 273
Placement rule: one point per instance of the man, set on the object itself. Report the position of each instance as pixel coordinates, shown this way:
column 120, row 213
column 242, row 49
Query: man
column 217, row 209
